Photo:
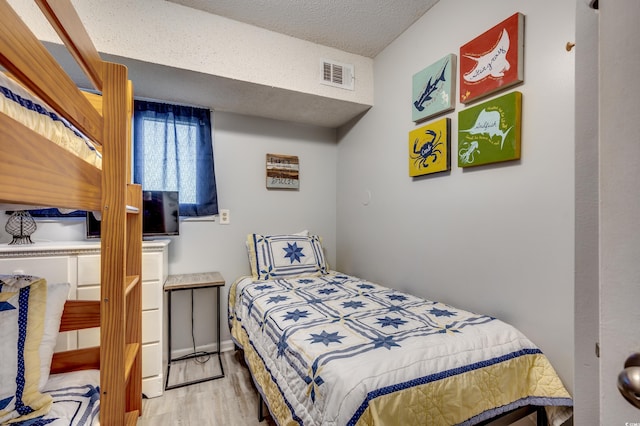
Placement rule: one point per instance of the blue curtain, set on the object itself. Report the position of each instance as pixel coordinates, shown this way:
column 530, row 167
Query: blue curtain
column 173, row 151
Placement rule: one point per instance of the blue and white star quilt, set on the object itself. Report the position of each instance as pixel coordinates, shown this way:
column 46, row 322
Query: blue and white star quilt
column 338, row 350
column 76, row 400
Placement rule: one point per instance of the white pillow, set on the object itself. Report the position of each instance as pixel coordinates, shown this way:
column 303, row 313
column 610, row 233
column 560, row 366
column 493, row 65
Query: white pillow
column 56, row 297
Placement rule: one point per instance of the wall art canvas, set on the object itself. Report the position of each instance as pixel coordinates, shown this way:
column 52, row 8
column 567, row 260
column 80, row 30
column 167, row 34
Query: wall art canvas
column 282, row 171
column 434, row 89
column 490, row 132
column 429, row 148
column 493, row 61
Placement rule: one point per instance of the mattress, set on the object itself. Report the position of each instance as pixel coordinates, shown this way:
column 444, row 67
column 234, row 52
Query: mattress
column 24, row 107
column 338, row 350
column 76, row 400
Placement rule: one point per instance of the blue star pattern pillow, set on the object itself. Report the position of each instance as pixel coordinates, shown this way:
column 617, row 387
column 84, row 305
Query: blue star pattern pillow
column 285, row 256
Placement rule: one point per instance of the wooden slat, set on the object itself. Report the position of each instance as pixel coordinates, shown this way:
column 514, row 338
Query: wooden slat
column 113, row 402
column 132, row 281
column 131, row 418
column 134, row 348
column 22, row 54
column 80, row 314
column 37, row 172
column 78, row 359
column 129, row 132
column 130, row 355
column 95, row 100
column 134, row 197
column 134, row 294
column 65, row 20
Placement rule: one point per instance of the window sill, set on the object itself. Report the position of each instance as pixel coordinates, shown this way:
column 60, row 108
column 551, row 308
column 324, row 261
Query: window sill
column 198, row 219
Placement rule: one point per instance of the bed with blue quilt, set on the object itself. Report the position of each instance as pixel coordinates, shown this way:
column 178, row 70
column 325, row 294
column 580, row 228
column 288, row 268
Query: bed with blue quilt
column 327, row 348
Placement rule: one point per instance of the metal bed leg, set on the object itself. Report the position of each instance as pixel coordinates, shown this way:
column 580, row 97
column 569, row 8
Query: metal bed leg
column 260, row 408
column 541, row 417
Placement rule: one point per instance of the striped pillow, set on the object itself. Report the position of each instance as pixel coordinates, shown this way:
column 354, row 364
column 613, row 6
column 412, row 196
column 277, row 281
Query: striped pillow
column 23, row 301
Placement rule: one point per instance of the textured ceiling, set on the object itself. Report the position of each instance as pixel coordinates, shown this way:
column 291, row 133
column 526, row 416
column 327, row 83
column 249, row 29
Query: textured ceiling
column 362, row 27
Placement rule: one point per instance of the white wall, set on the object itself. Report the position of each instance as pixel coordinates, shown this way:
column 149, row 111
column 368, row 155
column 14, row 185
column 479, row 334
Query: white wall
column 497, row 239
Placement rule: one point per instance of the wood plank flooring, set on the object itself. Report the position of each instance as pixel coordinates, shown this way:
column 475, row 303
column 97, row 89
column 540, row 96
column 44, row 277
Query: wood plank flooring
column 229, row 401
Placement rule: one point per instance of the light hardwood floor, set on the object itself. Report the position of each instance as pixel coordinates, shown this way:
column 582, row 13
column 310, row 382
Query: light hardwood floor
column 229, row 401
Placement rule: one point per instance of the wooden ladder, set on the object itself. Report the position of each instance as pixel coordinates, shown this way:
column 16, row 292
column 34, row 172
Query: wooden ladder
column 121, row 261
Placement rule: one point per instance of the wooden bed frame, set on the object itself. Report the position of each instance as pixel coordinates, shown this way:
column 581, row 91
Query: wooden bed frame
column 35, row 171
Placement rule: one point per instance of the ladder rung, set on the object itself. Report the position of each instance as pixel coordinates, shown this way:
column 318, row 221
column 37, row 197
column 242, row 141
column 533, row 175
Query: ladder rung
column 131, row 418
column 132, row 280
column 130, row 353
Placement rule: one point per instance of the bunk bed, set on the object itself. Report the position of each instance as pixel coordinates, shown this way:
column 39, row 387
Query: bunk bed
column 328, row 348
column 36, row 170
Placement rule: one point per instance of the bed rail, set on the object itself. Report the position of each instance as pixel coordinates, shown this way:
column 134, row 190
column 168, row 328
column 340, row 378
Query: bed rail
column 29, row 176
column 30, row 63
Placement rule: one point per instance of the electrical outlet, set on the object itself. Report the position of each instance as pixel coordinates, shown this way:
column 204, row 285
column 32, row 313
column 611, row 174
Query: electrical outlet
column 225, row 219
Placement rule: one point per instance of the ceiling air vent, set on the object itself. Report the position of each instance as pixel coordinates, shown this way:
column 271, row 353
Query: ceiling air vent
column 336, row 74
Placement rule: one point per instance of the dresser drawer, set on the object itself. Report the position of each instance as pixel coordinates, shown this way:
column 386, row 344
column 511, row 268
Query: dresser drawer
column 89, row 293
column 89, row 268
column 151, row 266
column 150, row 296
column 88, row 337
column 151, row 326
column 151, row 323
column 151, row 359
column 151, row 355
column 53, row 269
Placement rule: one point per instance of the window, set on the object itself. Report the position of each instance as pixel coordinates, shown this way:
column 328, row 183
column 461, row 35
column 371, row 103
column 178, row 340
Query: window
column 173, row 151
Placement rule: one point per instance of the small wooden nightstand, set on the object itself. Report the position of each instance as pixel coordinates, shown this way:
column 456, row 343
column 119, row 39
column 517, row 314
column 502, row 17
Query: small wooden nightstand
column 193, row 282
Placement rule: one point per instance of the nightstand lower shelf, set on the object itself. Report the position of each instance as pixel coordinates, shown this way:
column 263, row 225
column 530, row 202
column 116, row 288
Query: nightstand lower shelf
column 193, row 282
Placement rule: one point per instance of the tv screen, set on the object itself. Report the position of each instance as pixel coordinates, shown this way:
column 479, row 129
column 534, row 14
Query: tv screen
column 160, row 215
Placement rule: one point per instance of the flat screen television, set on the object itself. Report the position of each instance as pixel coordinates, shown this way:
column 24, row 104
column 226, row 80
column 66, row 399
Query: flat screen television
column 160, row 215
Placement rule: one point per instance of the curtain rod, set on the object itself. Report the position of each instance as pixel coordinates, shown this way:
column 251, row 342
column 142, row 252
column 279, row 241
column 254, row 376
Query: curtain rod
column 164, row 101
column 142, row 98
